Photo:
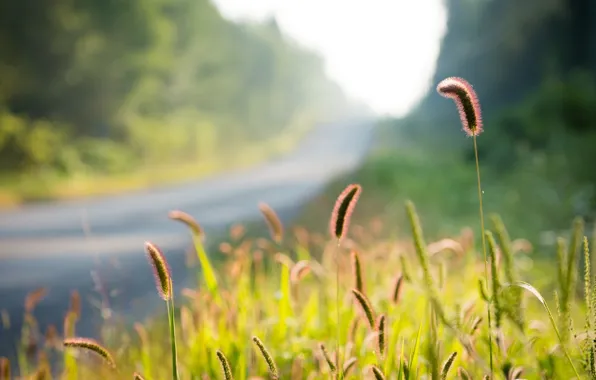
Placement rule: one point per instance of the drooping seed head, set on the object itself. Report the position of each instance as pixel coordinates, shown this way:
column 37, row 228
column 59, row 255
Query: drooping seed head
column 475, row 324
column 91, row 346
column 185, row 218
column 328, row 359
column 225, row 365
column 34, row 297
column 343, row 209
column 357, row 272
column 397, row 288
column 380, row 328
column 366, row 307
column 447, row 365
column 463, row 374
column 467, row 103
column 268, row 358
column 516, row 373
column 299, row 270
column 276, row 228
column 163, row 279
column 348, row 365
column 378, row 373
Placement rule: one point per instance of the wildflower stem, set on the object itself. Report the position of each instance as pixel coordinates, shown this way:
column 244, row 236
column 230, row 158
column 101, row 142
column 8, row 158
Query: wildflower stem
column 480, row 208
column 337, row 357
column 170, row 306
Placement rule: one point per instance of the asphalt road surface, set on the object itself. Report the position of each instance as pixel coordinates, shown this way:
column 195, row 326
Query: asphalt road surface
column 61, row 245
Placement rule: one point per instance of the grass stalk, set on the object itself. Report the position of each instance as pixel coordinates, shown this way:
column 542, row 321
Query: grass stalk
column 481, row 212
column 172, row 325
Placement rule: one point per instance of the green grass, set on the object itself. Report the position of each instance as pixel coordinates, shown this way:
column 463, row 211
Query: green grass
column 260, row 295
column 411, row 303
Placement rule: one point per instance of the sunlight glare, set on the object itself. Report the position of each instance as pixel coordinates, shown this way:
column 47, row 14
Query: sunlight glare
column 382, row 52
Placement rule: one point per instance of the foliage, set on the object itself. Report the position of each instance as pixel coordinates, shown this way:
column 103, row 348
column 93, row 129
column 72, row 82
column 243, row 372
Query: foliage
column 108, row 87
column 414, row 342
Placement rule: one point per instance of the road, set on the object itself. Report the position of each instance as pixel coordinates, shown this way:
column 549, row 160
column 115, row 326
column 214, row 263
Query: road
column 57, row 245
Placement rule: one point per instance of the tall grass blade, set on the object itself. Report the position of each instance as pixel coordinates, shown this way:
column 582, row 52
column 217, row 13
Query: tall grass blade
column 536, row 293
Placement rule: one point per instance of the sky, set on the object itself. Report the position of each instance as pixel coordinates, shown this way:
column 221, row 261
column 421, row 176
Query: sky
column 382, row 52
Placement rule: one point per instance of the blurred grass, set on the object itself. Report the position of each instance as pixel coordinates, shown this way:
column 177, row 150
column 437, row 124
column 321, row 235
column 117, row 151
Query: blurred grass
column 260, row 294
column 439, row 179
column 27, row 187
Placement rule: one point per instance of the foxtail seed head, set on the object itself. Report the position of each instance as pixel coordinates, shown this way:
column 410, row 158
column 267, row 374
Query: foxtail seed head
column 467, row 103
column 380, row 327
column 397, row 288
column 185, row 218
column 366, row 307
column 378, row 373
column 447, row 365
column 34, row 297
column 225, row 365
column 299, row 270
column 92, row 346
column 276, row 228
column 163, row 279
column 348, row 365
column 328, row 359
column 343, row 209
column 463, row 374
column 357, row 272
column 270, row 363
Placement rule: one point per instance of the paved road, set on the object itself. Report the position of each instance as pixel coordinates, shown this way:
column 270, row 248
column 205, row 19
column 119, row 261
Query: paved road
column 47, row 245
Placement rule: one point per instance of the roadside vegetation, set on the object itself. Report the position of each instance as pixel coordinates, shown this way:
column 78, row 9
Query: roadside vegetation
column 102, row 97
column 355, row 299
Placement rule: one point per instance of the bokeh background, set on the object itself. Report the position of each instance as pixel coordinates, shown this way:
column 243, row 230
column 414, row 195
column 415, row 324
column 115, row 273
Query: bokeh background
column 114, row 112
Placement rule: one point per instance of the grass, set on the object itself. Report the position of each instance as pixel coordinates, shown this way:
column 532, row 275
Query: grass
column 262, row 295
column 383, row 304
column 19, row 189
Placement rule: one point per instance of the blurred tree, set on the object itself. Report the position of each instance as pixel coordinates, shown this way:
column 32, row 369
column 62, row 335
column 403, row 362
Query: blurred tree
column 148, row 80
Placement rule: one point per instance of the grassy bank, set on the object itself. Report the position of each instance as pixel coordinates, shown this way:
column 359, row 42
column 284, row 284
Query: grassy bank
column 412, row 299
column 282, row 290
column 48, row 185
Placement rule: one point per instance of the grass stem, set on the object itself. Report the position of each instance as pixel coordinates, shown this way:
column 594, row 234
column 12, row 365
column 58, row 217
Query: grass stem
column 481, row 212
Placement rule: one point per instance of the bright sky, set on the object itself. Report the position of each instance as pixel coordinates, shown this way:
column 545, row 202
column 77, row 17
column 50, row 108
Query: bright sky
column 382, row 52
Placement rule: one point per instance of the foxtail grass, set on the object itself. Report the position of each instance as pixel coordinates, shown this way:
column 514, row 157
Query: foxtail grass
column 163, row 280
column 276, row 228
column 381, row 337
column 348, row 366
column 225, row 365
column 467, row 103
column 330, row 363
column 338, row 227
column 198, row 235
column 447, row 365
column 377, row 373
column 366, row 307
column 539, row 297
column 92, row 346
column 268, row 358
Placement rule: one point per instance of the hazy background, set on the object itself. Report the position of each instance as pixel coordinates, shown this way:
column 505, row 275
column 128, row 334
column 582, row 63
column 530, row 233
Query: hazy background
column 132, row 108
